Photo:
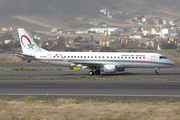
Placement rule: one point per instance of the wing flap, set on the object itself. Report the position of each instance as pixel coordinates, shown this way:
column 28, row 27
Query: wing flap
column 97, row 64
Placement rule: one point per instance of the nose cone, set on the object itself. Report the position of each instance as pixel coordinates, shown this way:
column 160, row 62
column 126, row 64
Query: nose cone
column 171, row 63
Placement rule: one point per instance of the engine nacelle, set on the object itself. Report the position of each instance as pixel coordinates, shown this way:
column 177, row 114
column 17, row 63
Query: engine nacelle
column 121, row 69
column 109, row 69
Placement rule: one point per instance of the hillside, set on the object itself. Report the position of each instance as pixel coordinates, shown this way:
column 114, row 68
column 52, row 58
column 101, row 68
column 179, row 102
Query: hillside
column 39, row 14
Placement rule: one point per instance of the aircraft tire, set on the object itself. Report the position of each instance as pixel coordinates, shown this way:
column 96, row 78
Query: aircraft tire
column 91, row 73
column 156, row 72
column 97, row 72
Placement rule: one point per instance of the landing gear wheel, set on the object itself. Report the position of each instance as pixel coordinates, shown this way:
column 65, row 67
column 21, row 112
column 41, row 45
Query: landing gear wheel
column 91, row 73
column 97, row 72
column 156, row 73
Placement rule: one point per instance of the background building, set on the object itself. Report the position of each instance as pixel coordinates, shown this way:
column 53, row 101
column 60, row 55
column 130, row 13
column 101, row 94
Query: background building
column 104, row 30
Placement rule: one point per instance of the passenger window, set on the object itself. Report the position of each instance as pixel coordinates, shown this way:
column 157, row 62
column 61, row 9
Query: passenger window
column 118, row 57
column 95, row 56
column 129, row 57
column 136, row 57
column 91, row 56
column 84, row 56
column 81, row 57
column 139, row 57
column 122, row 57
column 132, row 57
column 111, row 57
column 78, row 56
column 88, row 56
column 74, row 56
column 99, row 56
column 103, row 56
column 125, row 57
column 68, row 56
column 64, row 56
column 107, row 57
column 114, row 57
column 143, row 57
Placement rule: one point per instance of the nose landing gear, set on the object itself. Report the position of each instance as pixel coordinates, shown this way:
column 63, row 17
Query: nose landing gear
column 156, row 71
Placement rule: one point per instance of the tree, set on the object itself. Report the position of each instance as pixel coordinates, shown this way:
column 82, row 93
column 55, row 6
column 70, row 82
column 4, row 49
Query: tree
column 92, row 38
column 36, row 41
column 71, row 49
column 111, row 50
column 16, row 44
column 80, row 49
column 61, row 39
column 4, row 46
column 105, row 48
column 169, row 46
column 44, row 46
column 78, row 39
column 6, row 36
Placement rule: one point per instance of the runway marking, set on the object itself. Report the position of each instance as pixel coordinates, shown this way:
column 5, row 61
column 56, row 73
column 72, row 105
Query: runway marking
column 100, row 95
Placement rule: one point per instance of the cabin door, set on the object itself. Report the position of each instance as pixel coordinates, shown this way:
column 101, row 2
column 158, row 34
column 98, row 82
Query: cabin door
column 49, row 57
column 153, row 59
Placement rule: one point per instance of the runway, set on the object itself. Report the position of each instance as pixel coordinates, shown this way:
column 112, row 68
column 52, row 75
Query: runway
column 162, row 90
column 128, row 73
column 96, row 89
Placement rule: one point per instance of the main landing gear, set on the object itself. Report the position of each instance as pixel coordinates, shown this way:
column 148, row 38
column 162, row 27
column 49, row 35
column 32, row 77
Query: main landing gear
column 156, row 71
column 96, row 72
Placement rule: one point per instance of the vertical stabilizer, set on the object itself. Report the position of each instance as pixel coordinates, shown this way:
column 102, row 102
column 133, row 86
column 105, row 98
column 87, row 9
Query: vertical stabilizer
column 27, row 43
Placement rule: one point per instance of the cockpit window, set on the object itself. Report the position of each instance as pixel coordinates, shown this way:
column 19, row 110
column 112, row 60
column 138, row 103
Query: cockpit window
column 162, row 57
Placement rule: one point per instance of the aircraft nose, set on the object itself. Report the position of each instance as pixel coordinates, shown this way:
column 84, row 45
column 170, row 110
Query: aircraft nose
column 172, row 63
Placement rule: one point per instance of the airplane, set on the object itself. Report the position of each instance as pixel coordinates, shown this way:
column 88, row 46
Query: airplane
column 97, row 62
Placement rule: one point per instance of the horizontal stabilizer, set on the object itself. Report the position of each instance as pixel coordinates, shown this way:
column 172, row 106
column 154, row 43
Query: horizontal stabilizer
column 24, row 55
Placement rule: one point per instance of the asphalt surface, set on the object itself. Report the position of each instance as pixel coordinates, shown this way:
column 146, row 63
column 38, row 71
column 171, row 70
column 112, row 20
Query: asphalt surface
column 96, row 89
column 129, row 72
column 162, row 90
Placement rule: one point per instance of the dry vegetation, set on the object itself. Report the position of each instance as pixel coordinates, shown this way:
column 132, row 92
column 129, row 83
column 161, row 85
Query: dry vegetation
column 70, row 109
column 5, row 57
column 8, row 58
column 37, row 20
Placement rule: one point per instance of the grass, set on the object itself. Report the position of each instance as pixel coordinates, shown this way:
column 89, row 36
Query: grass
column 29, row 69
column 34, row 108
column 91, row 78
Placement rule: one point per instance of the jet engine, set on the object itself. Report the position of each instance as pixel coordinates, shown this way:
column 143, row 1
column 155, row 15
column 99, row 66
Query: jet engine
column 121, row 69
column 109, row 69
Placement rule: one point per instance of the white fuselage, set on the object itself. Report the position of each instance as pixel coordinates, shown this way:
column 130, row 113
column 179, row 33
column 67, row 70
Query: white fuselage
column 120, row 59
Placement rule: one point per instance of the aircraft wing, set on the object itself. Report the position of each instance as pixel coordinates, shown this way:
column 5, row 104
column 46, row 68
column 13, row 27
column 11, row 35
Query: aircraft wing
column 96, row 64
column 24, row 55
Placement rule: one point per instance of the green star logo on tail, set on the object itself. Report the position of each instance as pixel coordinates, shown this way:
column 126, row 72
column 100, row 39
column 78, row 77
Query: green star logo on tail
column 30, row 45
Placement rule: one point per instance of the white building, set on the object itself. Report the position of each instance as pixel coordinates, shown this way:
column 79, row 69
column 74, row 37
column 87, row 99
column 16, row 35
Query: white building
column 165, row 32
column 103, row 30
column 172, row 29
column 136, row 36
